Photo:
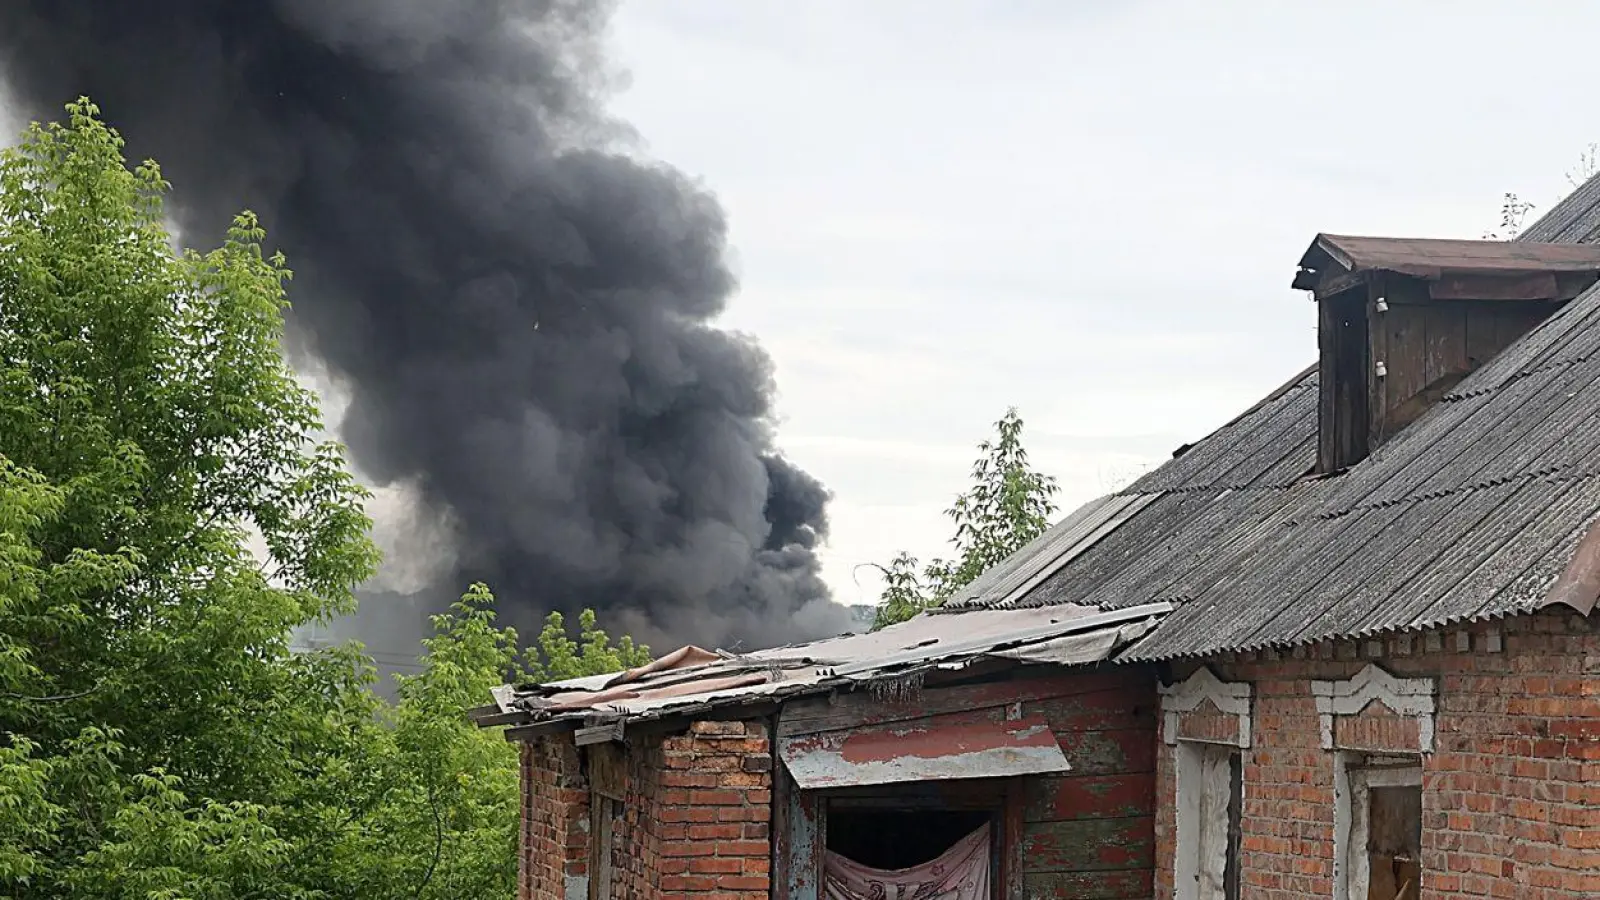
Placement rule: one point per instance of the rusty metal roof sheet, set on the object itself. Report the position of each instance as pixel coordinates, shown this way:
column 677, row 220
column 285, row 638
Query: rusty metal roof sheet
column 897, row 753
column 1427, row 258
column 692, row 680
column 1475, row 511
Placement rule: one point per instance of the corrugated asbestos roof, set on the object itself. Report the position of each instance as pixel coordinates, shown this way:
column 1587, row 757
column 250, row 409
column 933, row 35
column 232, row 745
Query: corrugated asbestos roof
column 691, row 680
column 1470, row 513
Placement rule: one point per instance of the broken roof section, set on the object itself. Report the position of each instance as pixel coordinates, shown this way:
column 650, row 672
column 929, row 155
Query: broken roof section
column 693, row 681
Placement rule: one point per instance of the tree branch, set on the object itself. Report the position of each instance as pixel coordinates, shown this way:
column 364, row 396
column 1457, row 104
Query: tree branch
column 438, row 843
column 52, row 698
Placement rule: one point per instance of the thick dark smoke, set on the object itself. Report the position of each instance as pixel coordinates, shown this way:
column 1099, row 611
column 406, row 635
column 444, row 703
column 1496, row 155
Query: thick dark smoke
column 520, row 313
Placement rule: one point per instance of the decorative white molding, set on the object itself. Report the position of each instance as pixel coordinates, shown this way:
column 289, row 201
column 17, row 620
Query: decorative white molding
column 1229, row 697
column 1403, row 696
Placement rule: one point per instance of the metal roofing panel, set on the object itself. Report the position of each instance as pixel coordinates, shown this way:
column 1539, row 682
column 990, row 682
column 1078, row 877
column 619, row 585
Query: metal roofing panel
column 685, row 683
column 899, row 753
column 1411, row 254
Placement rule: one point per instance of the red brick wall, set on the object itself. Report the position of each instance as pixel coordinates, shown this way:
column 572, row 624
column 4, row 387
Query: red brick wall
column 1511, row 795
column 715, row 812
column 636, row 839
column 694, row 825
column 555, row 819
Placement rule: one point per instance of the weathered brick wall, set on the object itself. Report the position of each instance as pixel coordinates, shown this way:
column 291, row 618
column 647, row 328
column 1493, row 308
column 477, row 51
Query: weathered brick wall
column 694, row 824
column 1511, row 795
column 715, row 809
column 636, row 841
column 555, row 823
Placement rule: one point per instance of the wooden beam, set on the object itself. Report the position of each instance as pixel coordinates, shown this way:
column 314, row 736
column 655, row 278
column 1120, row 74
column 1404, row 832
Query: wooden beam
column 598, row 734
column 540, row 729
column 863, row 708
column 1335, row 283
column 1518, row 286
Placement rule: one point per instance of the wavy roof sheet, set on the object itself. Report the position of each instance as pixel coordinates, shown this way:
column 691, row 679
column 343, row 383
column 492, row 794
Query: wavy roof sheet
column 1470, row 513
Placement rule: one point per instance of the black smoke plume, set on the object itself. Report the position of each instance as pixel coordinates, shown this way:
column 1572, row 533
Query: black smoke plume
column 520, row 312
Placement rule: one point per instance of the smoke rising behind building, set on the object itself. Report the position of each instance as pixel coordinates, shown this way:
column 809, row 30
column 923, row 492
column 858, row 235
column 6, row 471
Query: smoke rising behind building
column 518, row 311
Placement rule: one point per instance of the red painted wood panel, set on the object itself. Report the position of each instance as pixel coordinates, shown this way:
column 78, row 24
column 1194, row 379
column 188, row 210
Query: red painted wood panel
column 1109, row 752
column 1091, row 833
column 1089, row 845
column 1091, row 796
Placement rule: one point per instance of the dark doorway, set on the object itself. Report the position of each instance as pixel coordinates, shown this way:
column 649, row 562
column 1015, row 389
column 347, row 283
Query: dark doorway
column 898, row 839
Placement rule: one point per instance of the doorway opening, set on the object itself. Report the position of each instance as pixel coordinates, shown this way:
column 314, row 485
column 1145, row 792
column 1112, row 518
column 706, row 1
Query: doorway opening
column 893, row 839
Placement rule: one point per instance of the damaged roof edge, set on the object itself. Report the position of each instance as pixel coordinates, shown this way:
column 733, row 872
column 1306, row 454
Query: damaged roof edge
column 1579, row 584
column 1054, row 636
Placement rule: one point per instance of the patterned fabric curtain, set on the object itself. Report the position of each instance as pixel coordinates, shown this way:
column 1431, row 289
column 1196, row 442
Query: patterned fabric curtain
column 960, row 873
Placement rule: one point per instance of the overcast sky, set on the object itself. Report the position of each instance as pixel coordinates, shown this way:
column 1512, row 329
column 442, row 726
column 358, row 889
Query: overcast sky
column 1088, row 210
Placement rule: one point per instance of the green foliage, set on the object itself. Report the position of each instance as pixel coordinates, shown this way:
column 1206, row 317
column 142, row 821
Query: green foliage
column 559, row 657
column 1007, row 506
column 158, row 739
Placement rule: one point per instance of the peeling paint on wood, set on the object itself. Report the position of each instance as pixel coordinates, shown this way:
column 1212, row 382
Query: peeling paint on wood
column 1106, row 710
column 858, row 709
column 798, row 850
column 1054, row 799
column 922, row 753
column 1089, row 845
column 1109, row 752
column 1129, row 885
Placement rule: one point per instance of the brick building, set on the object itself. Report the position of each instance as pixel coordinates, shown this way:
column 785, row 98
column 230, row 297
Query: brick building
column 1342, row 647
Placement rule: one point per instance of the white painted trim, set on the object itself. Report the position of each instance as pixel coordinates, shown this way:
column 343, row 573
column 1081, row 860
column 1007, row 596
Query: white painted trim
column 1229, row 697
column 1199, row 822
column 1393, row 776
column 1403, row 696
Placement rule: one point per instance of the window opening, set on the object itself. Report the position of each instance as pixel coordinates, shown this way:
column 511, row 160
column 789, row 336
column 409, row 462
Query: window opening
column 1380, row 828
column 1210, row 806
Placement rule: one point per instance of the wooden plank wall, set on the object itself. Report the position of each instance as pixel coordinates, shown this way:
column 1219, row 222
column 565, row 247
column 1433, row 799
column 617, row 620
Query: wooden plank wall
column 1091, row 833
column 1086, row 834
column 1428, row 346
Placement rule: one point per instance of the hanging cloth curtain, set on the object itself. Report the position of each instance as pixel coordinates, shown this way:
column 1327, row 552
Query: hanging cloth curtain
column 960, row 873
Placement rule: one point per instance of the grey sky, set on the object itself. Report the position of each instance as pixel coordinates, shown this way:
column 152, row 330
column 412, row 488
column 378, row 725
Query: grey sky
column 1089, row 210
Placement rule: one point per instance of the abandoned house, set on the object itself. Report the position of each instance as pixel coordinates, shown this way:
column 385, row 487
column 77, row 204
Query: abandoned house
column 1341, row 648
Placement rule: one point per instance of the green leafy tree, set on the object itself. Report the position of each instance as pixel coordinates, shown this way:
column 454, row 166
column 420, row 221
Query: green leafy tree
column 158, row 738
column 558, row 657
column 1008, row 505
column 147, row 423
